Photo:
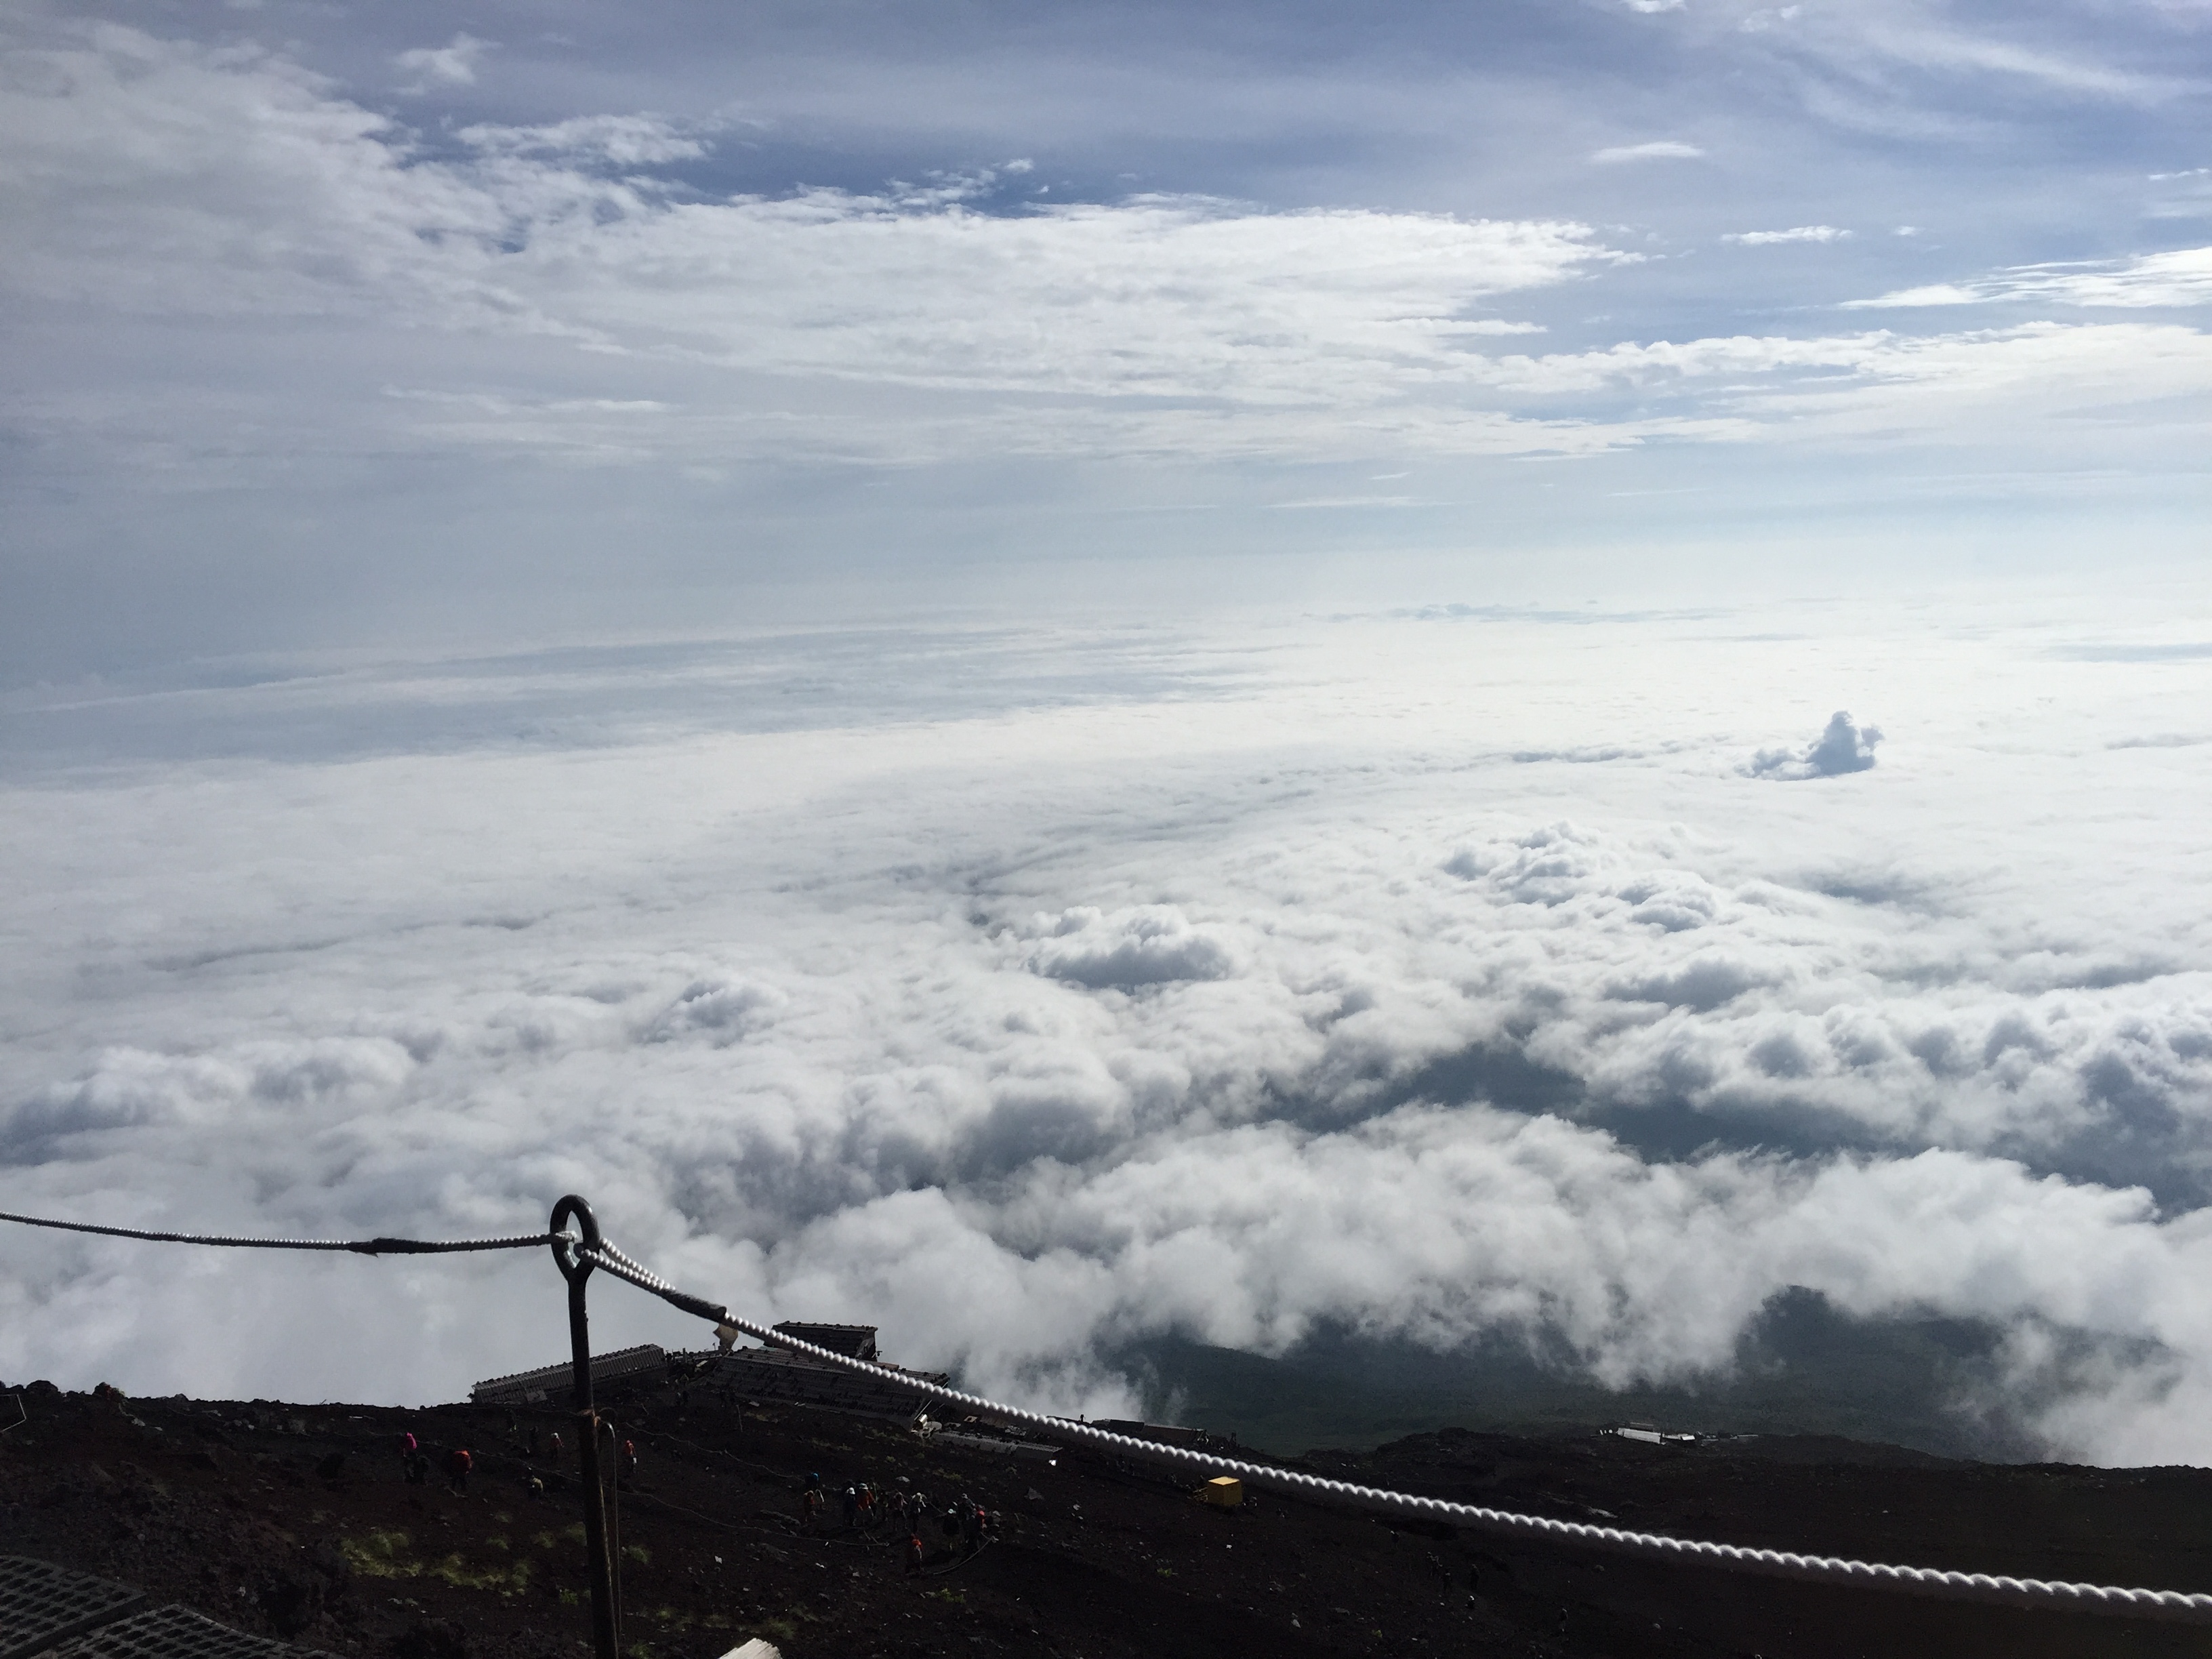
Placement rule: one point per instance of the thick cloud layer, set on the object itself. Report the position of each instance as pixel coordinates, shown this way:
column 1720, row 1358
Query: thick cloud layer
column 1444, row 978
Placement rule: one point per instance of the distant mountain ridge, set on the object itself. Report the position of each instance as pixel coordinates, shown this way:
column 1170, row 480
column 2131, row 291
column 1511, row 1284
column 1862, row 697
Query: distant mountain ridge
column 1804, row 1367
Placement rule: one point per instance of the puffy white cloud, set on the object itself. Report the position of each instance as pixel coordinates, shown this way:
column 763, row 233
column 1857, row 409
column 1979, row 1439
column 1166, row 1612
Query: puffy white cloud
column 154, row 177
column 454, row 64
column 1153, row 946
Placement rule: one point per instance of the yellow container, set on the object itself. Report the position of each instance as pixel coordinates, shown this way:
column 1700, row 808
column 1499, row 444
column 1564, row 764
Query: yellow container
column 1223, row 1491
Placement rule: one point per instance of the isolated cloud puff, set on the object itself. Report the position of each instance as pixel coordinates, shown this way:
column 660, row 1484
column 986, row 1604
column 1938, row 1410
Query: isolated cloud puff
column 1842, row 747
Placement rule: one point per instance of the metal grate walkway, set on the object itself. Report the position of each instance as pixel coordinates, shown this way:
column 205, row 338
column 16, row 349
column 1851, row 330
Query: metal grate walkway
column 54, row 1613
column 41, row 1604
column 171, row 1633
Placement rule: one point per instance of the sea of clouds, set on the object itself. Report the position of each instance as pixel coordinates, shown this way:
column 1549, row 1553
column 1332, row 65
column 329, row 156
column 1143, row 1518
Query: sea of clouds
column 1591, row 978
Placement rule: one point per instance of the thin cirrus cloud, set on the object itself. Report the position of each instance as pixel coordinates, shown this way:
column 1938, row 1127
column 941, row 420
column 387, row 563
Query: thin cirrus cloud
column 621, row 140
column 2180, row 277
column 1796, row 234
column 1655, row 149
column 1178, row 324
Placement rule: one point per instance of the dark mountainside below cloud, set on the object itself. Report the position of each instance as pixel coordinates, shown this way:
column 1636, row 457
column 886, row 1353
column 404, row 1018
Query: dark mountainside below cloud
column 1931, row 1384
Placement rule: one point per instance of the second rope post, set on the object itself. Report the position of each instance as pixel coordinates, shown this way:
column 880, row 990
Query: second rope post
column 569, row 1253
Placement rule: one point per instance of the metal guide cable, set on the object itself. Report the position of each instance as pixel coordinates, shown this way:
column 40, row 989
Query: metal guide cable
column 356, row 1246
column 2185, row 1606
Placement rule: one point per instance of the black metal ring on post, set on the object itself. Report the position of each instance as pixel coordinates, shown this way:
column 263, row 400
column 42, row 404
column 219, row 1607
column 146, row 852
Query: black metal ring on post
column 567, row 1253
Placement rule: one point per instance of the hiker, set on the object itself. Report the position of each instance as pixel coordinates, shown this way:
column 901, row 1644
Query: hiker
column 913, row 1555
column 534, row 1440
column 556, row 1445
column 812, row 1501
column 407, row 1447
column 418, row 1467
column 848, row 1502
column 971, row 1525
column 868, row 1516
column 630, row 1459
column 456, row 1468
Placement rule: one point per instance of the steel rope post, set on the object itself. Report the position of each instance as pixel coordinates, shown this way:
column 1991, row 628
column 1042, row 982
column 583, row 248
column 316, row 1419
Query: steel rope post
column 570, row 1256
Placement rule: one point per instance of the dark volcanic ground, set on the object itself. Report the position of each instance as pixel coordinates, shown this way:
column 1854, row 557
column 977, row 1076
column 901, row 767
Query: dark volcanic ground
column 295, row 1521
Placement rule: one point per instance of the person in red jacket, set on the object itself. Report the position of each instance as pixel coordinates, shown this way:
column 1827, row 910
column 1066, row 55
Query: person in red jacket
column 458, row 1462
column 913, row 1555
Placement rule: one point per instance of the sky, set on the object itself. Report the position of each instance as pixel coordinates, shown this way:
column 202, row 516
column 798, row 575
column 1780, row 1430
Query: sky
column 1049, row 675
column 344, row 326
